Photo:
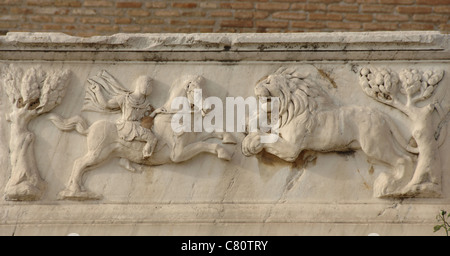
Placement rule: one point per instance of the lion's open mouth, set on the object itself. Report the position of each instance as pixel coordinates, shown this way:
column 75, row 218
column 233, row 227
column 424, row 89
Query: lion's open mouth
column 266, row 103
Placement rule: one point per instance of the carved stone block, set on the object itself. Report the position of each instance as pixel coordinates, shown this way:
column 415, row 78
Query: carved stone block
column 207, row 134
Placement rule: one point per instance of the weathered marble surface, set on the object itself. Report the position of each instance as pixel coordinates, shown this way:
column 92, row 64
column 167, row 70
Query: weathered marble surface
column 331, row 193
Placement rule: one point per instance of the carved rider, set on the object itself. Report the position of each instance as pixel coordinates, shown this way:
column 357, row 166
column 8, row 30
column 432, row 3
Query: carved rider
column 135, row 109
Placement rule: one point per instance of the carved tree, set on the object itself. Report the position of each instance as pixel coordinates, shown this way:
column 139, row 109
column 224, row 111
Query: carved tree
column 405, row 91
column 31, row 93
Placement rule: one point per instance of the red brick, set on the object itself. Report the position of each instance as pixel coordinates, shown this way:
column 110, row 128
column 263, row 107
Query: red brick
column 20, row 10
column 95, row 20
column 367, row 1
column 156, row 5
column 398, row 2
column 221, row 14
column 64, row 19
column 131, row 28
column 205, row 30
column 289, row 15
column 391, row 17
column 201, row 22
column 52, row 26
column 150, row 21
column 51, row 11
column 308, row 24
column 251, row 14
column 12, row 17
column 184, row 5
column 359, row 17
column 325, row 1
column 111, row 12
column 416, row 26
column 430, row 18
column 167, row 13
column 236, row 5
column 344, row 25
column 33, row 2
column 128, row 5
column 106, row 28
column 325, row 16
column 414, row 9
column 237, row 23
column 193, row 13
column 25, row 26
column 309, row 7
column 138, row 12
column 153, row 29
column 272, row 6
column 445, row 28
column 442, row 9
column 343, row 8
column 433, row 2
column 68, row 3
column 380, row 26
column 209, row 5
column 70, row 27
column 271, row 24
column 97, row 3
column 10, row 2
column 372, row 8
column 41, row 18
column 123, row 20
column 84, row 11
column 177, row 22
column 244, row 15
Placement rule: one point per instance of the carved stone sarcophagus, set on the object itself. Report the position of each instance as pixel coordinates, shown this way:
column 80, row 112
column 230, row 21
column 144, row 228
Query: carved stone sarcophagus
column 222, row 134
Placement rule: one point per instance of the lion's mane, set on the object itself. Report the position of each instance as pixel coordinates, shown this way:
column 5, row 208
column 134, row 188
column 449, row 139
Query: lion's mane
column 300, row 97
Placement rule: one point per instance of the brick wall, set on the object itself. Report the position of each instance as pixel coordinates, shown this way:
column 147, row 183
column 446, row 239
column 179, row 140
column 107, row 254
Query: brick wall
column 103, row 17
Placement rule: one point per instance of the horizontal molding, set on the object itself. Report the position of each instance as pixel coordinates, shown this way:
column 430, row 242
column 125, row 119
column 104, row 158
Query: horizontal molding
column 75, row 213
column 411, row 45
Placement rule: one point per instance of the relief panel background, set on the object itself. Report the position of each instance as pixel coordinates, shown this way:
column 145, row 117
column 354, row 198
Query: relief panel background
column 330, row 178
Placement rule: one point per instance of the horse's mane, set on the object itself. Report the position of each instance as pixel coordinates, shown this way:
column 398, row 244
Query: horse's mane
column 301, row 97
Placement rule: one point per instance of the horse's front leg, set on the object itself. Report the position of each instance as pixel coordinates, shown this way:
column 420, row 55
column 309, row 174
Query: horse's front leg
column 182, row 153
column 254, row 143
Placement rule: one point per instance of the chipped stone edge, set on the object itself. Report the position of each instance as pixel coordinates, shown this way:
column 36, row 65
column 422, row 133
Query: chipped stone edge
column 322, row 41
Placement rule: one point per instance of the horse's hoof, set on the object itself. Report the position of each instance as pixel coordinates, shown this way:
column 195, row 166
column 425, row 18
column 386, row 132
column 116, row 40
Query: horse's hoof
column 223, row 154
column 78, row 195
column 228, row 139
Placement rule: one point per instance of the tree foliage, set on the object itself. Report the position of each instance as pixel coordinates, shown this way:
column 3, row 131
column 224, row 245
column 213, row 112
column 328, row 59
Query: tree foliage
column 35, row 88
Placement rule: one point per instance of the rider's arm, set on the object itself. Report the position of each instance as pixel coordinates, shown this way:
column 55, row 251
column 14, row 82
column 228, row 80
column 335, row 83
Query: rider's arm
column 111, row 104
column 157, row 111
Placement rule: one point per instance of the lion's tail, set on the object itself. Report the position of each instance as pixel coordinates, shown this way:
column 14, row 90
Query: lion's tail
column 74, row 123
column 400, row 139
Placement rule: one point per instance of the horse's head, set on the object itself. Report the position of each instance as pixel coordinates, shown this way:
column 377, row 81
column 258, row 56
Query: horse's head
column 191, row 87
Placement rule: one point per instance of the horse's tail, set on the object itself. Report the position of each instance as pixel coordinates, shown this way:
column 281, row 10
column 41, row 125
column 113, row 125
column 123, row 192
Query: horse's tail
column 74, row 123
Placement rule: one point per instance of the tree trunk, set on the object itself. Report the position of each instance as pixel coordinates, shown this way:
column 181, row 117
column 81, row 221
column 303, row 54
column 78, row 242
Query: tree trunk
column 426, row 181
column 25, row 182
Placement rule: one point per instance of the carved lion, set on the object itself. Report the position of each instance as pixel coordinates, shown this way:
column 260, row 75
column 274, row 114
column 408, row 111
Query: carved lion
column 310, row 120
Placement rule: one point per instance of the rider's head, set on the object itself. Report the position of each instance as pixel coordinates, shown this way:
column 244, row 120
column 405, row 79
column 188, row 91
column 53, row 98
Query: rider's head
column 143, row 85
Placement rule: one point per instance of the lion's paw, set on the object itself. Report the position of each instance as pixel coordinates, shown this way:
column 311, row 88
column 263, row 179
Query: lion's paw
column 251, row 145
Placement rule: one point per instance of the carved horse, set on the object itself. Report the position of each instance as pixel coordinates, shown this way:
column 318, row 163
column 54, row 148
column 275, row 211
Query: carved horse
column 103, row 142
